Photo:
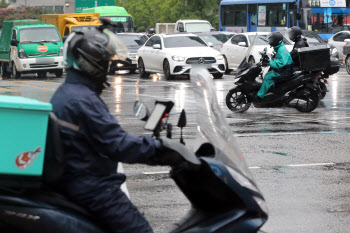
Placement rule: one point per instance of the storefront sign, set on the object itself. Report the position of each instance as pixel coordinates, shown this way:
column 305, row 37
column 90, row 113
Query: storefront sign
column 262, row 16
column 333, row 3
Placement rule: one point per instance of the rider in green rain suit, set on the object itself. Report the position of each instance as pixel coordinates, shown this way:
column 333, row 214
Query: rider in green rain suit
column 282, row 65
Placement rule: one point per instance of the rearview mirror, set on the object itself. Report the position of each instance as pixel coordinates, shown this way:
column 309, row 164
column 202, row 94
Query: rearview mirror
column 141, row 111
column 182, row 120
column 156, row 46
column 14, row 42
column 242, row 44
column 211, row 44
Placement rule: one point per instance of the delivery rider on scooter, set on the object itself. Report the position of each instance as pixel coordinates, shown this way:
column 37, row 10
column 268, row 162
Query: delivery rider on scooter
column 281, row 65
column 93, row 141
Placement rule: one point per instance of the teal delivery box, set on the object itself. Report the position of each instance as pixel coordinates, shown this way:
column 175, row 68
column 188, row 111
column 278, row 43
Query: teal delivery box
column 23, row 128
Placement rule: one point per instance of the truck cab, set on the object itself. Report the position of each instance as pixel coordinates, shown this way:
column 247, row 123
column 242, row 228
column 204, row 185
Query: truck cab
column 193, row 26
column 30, row 46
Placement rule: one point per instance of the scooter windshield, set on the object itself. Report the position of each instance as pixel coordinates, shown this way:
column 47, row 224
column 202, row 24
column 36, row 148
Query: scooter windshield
column 244, row 64
column 213, row 128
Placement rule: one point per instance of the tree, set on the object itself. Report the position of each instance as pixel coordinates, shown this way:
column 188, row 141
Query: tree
column 4, row 4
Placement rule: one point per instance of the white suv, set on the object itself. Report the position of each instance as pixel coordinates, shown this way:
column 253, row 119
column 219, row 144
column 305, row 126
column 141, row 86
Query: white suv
column 174, row 54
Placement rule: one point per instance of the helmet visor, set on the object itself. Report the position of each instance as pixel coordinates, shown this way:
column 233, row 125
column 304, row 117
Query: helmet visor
column 115, row 46
column 290, row 33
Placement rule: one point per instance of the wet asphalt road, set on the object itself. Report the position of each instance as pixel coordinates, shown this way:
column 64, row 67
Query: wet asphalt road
column 301, row 161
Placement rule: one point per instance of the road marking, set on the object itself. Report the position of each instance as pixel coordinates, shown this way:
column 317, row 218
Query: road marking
column 7, row 89
column 292, row 165
column 289, row 133
column 22, row 84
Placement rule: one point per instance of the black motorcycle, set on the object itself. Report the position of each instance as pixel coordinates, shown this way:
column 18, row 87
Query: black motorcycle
column 215, row 179
column 299, row 91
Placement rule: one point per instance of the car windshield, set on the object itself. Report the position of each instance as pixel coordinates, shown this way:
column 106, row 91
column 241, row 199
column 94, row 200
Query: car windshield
column 216, row 39
column 79, row 28
column 313, row 38
column 133, row 41
column 39, row 34
column 183, row 41
column 198, row 27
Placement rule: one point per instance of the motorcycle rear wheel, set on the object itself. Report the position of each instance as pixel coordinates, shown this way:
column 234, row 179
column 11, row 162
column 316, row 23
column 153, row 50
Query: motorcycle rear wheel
column 323, row 88
column 347, row 64
column 310, row 97
column 237, row 101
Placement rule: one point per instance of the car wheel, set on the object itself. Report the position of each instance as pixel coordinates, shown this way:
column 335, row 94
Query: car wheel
column 4, row 73
column 59, row 73
column 142, row 70
column 347, row 64
column 15, row 73
column 218, row 75
column 227, row 71
column 166, row 69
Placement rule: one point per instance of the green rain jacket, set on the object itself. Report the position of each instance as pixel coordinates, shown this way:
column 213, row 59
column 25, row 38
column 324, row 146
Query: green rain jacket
column 282, row 59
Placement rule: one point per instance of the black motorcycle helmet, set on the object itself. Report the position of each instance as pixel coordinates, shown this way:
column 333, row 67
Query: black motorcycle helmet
column 151, row 31
column 294, row 33
column 274, row 38
column 90, row 50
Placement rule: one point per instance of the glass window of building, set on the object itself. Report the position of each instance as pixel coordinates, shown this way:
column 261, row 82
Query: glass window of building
column 59, row 9
column 234, row 15
column 328, row 20
column 276, row 15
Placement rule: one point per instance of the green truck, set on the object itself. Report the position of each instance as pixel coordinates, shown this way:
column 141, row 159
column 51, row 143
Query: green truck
column 30, row 46
column 119, row 15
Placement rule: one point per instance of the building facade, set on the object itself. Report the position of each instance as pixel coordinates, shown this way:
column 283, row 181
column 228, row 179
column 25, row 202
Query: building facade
column 60, row 6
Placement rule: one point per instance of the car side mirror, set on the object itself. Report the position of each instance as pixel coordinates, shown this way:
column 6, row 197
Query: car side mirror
column 135, row 29
column 211, row 44
column 141, row 111
column 14, row 42
column 326, row 40
column 156, row 46
column 242, row 44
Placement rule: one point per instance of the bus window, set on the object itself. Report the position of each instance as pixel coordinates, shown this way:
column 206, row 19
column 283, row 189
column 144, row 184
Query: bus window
column 234, row 15
column 276, row 16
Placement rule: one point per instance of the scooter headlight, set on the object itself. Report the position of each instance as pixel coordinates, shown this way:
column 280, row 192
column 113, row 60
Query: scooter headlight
column 178, row 58
column 22, row 54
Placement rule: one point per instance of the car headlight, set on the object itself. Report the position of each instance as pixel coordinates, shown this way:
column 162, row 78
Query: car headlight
column 220, row 57
column 22, row 54
column 334, row 51
column 178, row 58
column 61, row 51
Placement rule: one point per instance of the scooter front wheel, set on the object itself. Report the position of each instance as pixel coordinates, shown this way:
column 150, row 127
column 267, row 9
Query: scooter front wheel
column 307, row 100
column 237, row 101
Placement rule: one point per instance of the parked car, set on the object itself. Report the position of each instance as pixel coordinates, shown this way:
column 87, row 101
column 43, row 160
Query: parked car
column 133, row 41
column 235, row 49
column 338, row 41
column 217, row 39
column 174, row 54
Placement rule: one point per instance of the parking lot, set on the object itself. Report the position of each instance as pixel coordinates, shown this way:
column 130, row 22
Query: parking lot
column 300, row 161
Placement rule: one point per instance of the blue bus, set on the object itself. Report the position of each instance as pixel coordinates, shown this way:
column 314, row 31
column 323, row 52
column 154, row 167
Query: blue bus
column 326, row 17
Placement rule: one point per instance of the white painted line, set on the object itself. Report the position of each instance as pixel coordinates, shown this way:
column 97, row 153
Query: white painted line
column 254, row 167
column 155, row 173
column 310, row 164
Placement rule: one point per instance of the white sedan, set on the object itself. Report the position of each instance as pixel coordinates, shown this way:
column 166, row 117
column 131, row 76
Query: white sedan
column 236, row 48
column 174, row 54
column 338, row 41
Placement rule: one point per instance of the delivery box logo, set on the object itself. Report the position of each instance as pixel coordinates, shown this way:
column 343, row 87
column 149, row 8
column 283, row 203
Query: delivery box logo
column 42, row 49
column 25, row 159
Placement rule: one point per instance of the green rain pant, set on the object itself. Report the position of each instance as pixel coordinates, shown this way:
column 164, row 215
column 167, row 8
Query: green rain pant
column 267, row 83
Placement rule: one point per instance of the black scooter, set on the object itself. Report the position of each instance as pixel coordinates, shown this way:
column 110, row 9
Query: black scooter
column 299, row 91
column 215, row 178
